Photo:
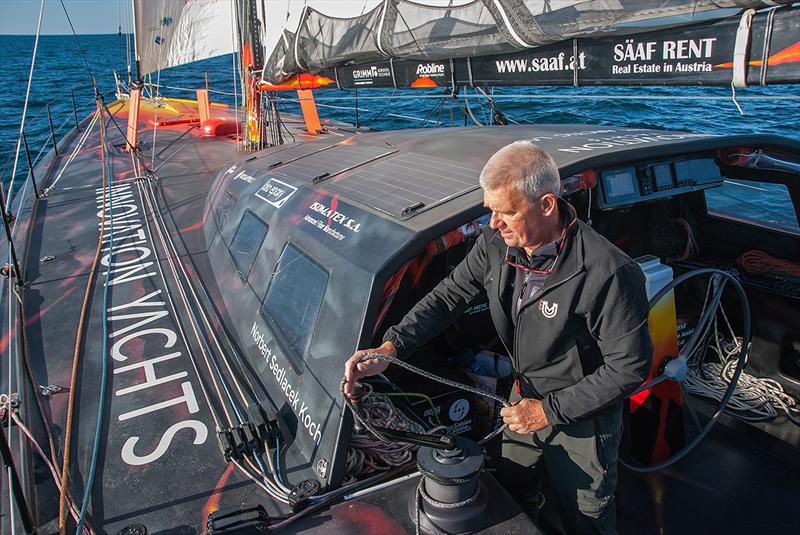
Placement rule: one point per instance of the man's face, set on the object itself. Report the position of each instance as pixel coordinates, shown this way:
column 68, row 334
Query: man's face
column 520, row 223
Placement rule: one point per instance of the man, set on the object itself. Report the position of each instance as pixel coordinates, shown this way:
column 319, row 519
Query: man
column 570, row 309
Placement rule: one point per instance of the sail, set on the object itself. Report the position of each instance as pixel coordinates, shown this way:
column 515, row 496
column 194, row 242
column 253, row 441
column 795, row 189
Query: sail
column 403, row 43
column 175, row 32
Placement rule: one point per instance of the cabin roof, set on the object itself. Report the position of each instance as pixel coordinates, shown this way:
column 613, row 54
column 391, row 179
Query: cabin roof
column 403, row 174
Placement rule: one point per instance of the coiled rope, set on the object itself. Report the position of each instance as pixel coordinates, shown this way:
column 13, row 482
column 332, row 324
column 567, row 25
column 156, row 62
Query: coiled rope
column 428, row 375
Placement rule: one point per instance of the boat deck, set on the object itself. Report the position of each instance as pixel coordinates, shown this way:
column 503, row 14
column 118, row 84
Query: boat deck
column 159, row 463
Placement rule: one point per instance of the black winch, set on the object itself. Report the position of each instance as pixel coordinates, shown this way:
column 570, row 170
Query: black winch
column 450, row 497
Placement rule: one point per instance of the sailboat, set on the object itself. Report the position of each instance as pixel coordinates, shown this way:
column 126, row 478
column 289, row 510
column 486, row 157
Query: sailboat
column 186, row 280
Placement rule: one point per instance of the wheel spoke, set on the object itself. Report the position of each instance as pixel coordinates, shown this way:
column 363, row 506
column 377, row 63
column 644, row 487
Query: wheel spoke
column 689, row 404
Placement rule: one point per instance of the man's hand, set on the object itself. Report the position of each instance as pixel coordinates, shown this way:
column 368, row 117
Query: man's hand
column 525, row 417
column 354, row 370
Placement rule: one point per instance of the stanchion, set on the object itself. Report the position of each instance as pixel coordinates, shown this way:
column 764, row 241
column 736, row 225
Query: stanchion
column 52, row 130
column 30, row 164
column 7, row 226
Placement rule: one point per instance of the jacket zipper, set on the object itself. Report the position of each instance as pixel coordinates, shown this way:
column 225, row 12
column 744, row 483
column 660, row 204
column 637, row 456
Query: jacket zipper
column 515, row 356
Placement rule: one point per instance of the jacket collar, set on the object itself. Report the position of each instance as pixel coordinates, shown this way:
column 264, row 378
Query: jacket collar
column 569, row 262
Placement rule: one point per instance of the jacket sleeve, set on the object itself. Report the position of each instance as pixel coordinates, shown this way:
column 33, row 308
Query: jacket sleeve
column 616, row 319
column 437, row 310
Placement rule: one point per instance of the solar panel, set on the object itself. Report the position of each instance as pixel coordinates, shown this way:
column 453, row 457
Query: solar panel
column 330, row 162
column 408, row 184
column 292, row 153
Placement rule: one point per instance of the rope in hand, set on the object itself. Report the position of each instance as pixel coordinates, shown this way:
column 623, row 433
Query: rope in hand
column 432, row 377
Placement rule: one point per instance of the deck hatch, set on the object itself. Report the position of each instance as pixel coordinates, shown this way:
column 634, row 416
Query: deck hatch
column 407, row 185
column 331, row 162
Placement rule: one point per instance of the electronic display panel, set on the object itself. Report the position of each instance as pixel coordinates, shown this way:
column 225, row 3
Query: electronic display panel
column 619, row 184
column 662, row 176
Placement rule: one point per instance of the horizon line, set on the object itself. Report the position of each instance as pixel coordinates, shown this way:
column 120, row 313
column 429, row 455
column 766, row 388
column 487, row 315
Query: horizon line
column 60, row 34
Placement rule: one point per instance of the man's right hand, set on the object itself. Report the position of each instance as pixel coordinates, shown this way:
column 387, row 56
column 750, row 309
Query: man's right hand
column 355, row 370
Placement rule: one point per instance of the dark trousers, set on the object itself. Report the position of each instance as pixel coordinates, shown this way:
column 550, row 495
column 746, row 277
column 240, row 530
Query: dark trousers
column 581, row 464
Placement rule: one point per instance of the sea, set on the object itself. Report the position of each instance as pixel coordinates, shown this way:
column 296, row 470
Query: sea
column 66, row 69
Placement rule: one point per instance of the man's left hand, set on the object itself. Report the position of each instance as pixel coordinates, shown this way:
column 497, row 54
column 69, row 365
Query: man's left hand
column 525, row 417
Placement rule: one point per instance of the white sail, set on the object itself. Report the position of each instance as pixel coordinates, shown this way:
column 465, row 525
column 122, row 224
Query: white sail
column 175, row 32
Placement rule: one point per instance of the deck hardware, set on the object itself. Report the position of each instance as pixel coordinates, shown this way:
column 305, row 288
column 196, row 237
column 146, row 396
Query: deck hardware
column 408, row 209
column 238, row 521
column 322, row 468
column 8, row 406
column 302, row 492
column 237, row 441
column 49, row 390
column 133, row 529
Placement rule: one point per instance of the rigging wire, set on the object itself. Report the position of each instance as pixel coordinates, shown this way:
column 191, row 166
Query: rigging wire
column 24, row 114
column 577, row 97
column 78, row 42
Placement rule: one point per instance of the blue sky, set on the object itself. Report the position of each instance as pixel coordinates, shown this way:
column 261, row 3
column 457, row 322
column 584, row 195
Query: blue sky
column 18, row 17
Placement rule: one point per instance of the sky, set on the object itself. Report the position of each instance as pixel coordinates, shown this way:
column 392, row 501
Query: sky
column 19, row 17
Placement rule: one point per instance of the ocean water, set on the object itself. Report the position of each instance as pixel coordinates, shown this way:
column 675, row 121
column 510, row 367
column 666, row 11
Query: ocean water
column 61, row 71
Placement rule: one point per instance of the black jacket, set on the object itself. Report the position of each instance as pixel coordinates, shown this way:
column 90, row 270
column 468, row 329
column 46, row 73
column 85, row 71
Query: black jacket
column 579, row 346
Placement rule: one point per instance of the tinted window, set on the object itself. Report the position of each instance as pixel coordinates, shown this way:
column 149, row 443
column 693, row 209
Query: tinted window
column 293, row 301
column 759, row 203
column 247, row 242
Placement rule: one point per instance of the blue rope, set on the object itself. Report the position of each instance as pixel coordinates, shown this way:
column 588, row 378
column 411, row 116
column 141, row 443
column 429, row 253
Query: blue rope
column 104, row 377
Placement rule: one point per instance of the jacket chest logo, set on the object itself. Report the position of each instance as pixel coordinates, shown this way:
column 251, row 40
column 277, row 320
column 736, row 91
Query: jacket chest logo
column 548, row 311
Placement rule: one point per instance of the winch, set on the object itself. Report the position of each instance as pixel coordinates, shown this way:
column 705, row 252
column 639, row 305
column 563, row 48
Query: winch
column 450, row 497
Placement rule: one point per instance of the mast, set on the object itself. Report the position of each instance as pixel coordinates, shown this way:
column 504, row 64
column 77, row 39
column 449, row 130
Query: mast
column 135, row 47
column 251, row 64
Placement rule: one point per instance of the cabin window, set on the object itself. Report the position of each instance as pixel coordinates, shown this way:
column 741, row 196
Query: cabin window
column 247, row 242
column 293, row 301
column 764, row 204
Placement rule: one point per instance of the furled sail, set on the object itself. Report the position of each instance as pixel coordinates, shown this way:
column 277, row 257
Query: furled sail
column 404, row 43
column 175, row 32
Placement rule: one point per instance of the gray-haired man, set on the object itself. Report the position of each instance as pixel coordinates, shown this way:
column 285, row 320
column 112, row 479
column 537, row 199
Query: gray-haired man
column 569, row 307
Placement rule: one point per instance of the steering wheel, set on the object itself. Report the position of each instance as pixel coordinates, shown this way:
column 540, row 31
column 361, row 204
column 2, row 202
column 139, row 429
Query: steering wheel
column 676, row 369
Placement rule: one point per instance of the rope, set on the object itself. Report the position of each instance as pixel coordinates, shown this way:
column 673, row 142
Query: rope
column 174, row 311
column 432, row 377
column 75, row 152
column 421, row 495
column 52, row 468
column 755, row 261
column 62, row 520
column 174, row 258
column 104, row 354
